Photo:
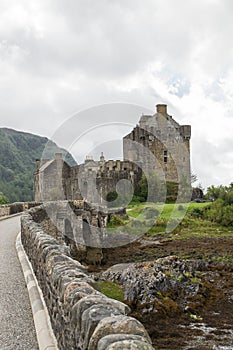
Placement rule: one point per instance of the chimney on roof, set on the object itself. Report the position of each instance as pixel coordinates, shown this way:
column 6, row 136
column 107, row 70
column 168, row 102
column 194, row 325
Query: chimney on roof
column 161, row 108
column 58, row 156
column 37, row 164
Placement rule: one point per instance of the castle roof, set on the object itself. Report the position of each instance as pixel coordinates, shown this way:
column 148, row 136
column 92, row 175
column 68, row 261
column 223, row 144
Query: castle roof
column 46, row 165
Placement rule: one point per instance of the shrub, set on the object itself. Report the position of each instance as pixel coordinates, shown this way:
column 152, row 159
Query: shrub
column 197, row 213
column 227, row 216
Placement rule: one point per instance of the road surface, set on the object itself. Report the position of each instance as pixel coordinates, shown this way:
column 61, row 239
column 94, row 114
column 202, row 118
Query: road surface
column 17, row 330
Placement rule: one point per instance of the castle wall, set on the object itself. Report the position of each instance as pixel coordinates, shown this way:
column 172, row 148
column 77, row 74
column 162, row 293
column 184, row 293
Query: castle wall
column 95, row 180
column 160, row 145
column 157, row 145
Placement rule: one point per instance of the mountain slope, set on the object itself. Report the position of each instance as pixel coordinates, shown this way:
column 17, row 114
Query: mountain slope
column 18, row 152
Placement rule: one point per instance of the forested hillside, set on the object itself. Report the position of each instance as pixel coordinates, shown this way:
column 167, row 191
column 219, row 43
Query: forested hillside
column 18, row 152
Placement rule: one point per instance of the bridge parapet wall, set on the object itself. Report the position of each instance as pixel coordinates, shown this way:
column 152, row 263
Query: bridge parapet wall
column 14, row 208
column 82, row 318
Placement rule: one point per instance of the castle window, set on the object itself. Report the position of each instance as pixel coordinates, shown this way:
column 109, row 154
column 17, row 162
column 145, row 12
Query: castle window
column 165, row 156
column 143, row 139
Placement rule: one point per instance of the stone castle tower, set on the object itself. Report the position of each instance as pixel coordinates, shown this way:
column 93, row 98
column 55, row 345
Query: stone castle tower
column 158, row 144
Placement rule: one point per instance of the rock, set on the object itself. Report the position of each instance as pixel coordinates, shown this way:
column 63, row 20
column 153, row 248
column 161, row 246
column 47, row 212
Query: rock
column 108, row 340
column 91, row 300
column 91, row 318
column 146, row 283
column 130, row 345
column 117, row 325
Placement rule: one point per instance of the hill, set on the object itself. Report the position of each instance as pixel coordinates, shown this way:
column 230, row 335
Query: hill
column 18, row 152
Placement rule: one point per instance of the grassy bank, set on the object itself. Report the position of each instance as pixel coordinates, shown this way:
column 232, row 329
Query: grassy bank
column 169, row 221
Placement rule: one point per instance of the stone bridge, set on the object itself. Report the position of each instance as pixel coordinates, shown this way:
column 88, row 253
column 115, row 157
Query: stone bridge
column 82, row 318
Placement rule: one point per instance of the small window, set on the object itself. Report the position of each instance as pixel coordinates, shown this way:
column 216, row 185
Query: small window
column 165, row 156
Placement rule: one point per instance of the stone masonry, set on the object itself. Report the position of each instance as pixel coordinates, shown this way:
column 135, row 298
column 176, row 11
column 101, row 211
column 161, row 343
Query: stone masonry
column 82, row 318
column 158, row 145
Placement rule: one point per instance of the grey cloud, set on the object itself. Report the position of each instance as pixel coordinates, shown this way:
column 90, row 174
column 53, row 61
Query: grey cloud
column 59, row 57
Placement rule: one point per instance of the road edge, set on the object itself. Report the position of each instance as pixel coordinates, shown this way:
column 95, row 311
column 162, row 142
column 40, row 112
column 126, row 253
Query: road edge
column 10, row 216
column 44, row 332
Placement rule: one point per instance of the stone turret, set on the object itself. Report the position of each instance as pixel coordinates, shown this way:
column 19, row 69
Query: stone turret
column 102, row 159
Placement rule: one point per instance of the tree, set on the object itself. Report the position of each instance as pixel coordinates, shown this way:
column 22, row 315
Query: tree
column 3, row 199
column 221, row 211
column 193, row 178
column 151, row 189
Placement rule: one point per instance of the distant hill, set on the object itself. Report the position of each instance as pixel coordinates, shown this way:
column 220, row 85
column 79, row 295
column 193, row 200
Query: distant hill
column 18, row 152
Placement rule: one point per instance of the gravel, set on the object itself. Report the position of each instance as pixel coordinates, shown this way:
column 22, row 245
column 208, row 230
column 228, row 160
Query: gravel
column 17, row 330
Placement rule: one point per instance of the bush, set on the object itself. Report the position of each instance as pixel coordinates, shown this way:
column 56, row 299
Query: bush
column 227, row 216
column 219, row 212
column 197, row 213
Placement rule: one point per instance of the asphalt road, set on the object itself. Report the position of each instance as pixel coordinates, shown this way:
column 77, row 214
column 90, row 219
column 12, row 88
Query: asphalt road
column 17, row 330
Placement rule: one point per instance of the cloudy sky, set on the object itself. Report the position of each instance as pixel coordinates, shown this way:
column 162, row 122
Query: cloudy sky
column 59, row 57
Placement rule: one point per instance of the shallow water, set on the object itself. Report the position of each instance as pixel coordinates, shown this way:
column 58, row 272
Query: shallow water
column 204, row 336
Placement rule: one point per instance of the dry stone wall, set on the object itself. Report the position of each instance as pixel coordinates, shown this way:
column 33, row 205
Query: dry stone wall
column 82, row 318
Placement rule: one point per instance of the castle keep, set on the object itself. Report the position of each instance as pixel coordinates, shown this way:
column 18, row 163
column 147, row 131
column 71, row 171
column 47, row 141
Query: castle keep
column 157, row 145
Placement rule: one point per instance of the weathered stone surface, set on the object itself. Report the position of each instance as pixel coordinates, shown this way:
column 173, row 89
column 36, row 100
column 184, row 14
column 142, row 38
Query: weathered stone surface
column 130, row 345
column 76, row 308
column 144, row 282
column 91, row 318
column 91, row 300
column 14, row 208
column 116, row 325
column 108, row 340
column 70, row 288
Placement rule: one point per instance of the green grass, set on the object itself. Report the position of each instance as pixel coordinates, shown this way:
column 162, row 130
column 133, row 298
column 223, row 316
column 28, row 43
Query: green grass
column 111, row 290
column 184, row 225
column 165, row 209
